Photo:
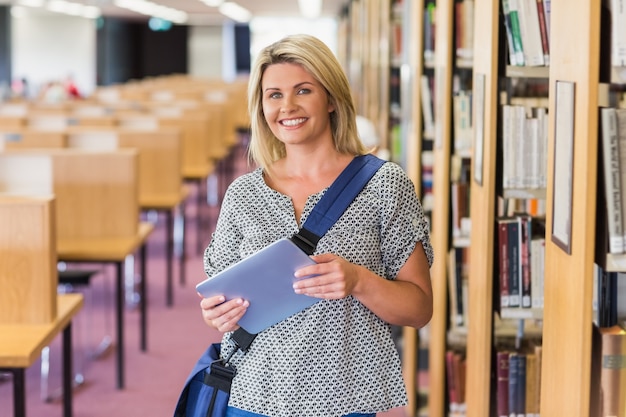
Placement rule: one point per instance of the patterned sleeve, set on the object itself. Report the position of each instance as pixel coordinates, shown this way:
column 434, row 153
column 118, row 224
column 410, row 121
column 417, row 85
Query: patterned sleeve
column 403, row 223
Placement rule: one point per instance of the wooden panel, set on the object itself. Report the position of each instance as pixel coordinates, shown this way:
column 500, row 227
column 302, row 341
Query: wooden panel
column 568, row 284
column 96, row 193
column 12, row 122
column 28, row 275
column 27, row 138
column 160, row 162
column 441, row 209
column 482, row 209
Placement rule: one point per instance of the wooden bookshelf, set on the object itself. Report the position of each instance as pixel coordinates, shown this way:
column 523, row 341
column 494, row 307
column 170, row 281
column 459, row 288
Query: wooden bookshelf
column 441, row 210
column 568, row 286
column 413, row 129
column 479, row 338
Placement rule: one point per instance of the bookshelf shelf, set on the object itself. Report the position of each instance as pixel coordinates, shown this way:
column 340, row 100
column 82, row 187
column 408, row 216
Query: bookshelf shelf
column 615, row 263
column 527, row 72
column 522, row 313
column 526, row 193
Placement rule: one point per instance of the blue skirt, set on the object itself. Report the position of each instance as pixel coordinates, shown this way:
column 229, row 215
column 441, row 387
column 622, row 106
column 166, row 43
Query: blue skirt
column 235, row 412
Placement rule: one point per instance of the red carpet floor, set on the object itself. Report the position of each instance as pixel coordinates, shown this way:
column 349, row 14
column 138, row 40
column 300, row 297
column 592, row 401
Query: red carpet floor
column 176, row 338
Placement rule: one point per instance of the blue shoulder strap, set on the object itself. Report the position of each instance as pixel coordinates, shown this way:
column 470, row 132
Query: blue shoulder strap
column 336, row 200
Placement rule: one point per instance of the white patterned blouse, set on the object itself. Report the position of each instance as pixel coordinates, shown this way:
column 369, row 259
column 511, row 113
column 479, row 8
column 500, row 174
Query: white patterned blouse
column 335, row 357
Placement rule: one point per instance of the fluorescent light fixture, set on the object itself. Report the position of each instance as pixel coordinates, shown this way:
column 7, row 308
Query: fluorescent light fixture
column 74, row 9
column 310, row 8
column 213, row 3
column 236, row 12
column 31, row 3
column 149, row 8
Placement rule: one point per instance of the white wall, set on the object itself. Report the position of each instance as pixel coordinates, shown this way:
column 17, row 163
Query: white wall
column 52, row 47
column 205, row 51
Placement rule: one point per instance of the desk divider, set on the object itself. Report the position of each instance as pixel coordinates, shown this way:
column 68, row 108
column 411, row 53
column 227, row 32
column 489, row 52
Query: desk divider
column 28, row 275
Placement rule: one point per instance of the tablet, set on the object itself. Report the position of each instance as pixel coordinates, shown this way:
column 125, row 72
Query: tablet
column 265, row 279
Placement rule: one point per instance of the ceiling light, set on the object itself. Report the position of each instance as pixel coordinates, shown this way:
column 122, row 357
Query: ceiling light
column 213, row 3
column 31, row 3
column 310, row 8
column 236, row 12
column 149, row 8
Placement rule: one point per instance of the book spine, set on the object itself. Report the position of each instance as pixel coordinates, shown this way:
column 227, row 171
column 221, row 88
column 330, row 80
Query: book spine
column 618, row 33
column 513, row 8
column 613, row 372
column 545, row 36
column 620, row 115
column 610, row 154
column 525, row 225
column 503, row 262
column 509, row 33
column 531, row 34
column 502, row 387
column 547, row 11
column 536, row 274
column 514, row 270
column 427, row 106
column 514, row 407
column 532, row 406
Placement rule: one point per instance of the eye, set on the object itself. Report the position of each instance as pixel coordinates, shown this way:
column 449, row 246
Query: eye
column 275, row 95
column 304, row 91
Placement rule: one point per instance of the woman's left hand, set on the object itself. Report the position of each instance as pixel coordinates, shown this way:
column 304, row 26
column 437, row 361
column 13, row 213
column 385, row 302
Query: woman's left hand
column 331, row 278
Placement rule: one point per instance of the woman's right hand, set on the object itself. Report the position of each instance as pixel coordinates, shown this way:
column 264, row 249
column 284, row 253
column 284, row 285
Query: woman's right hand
column 223, row 315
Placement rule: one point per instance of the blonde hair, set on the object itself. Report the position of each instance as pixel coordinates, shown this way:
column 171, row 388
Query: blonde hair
column 318, row 60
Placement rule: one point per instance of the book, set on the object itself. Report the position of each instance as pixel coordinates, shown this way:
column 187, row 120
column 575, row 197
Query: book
column 509, row 35
column 517, row 384
column 547, row 11
column 537, row 258
column 455, row 284
column 613, row 371
column 618, row 33
column 503, row 261
column 531, row 34
column 427, row 106
column 612, row 184
column 543, row 29
column 532, row 376
column 451, row 381
column 502, row 385
column 513, row 248
column 620, row 115
column 525, row 237
column 511, row 8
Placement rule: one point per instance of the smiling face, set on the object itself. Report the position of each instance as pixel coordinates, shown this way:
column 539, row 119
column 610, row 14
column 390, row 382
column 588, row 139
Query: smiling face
column 295, row 105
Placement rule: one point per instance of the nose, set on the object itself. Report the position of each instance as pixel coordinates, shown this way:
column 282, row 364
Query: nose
column 288, row 104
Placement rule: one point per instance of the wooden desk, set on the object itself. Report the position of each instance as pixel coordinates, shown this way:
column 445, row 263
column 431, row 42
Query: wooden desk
column 97, row 212
column 21, row 345
column 115, row 251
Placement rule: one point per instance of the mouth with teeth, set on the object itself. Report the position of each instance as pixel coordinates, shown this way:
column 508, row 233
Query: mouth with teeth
column 293, row 122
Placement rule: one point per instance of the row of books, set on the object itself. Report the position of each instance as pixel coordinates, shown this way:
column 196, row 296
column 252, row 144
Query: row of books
column 521, row 258
column 518, row 385
column 527, row 24
column 524, row 147
column 613, row 139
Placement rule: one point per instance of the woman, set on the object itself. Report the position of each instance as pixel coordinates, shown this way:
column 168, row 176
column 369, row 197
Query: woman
column 337, row 357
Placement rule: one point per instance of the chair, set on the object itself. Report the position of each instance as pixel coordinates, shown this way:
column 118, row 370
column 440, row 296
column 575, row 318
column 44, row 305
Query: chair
column 71, row 281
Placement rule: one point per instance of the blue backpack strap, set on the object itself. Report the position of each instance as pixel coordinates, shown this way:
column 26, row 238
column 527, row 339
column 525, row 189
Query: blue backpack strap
column 336, row 200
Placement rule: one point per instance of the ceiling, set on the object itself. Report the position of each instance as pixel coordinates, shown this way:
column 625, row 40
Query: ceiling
column 200, row 14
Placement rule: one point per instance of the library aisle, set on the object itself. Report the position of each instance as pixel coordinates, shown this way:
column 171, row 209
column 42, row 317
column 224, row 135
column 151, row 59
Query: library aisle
column 176, row 338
